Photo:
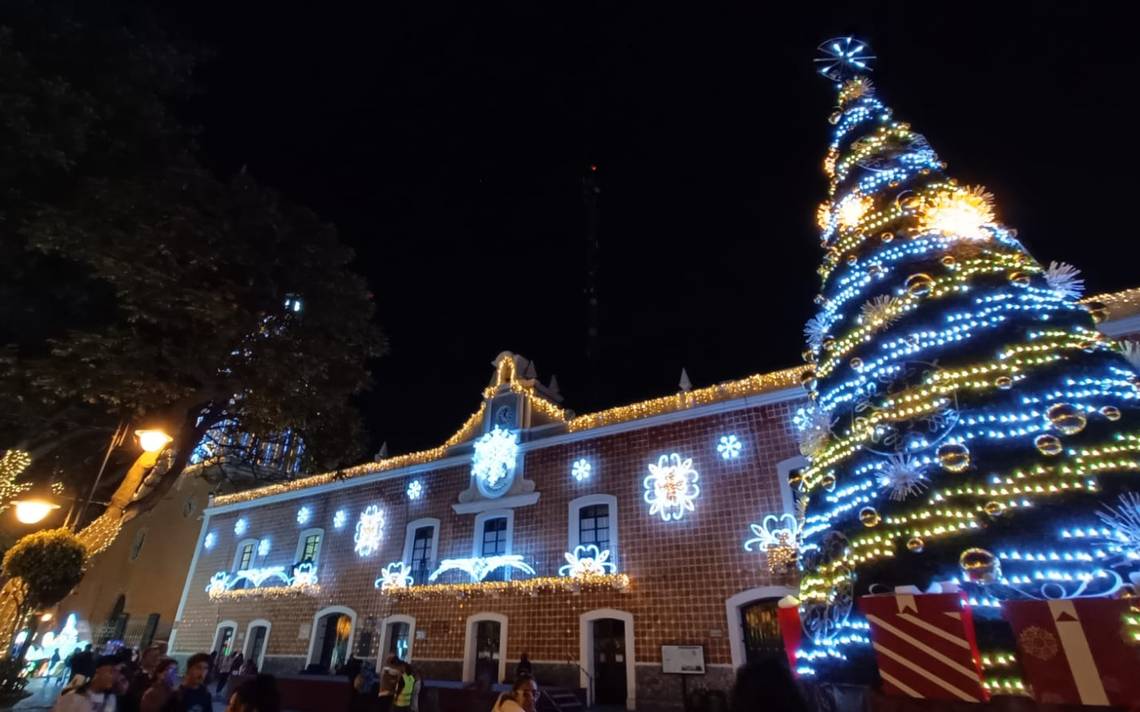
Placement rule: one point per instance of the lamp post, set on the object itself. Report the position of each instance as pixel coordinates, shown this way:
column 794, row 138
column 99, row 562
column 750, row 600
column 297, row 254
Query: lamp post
column 32, row 510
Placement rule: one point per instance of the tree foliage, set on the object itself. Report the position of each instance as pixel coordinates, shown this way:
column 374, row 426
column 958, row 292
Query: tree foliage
column 49, row 563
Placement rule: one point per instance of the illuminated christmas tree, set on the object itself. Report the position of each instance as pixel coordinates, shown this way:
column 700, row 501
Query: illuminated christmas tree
column 968, row 423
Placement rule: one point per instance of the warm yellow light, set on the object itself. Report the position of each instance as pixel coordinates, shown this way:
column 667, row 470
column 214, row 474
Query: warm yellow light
column 961, row 213
column 853, row 209
column 31, row 511
column 153, row 440
column 45, row 617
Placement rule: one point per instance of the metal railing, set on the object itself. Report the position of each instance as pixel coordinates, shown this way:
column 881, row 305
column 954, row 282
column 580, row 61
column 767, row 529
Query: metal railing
column 589, row 681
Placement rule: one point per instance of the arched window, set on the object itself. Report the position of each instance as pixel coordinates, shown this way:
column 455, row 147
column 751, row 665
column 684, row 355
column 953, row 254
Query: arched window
column 309, row 546
column 593, row 520
column 245, row 554
column 493, row 533
column 224, row 637
column 331, row 640
column 256, row 641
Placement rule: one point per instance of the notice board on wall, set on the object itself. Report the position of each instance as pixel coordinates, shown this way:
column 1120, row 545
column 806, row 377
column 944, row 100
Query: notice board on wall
column 683, row 659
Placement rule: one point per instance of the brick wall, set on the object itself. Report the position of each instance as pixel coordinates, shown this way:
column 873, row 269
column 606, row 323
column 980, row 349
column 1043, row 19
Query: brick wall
column 682, row 572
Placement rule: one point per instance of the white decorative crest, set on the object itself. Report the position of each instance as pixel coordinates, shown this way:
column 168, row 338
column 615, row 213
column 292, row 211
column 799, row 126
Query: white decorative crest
column 394, row 576
column 494, row 460
column 586, row 561
column 369, row 530
column 478, row 567
column 671, row 487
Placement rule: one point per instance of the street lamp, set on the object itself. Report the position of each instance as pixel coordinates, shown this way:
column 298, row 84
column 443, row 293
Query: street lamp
column 32, row 511
column 152, row 440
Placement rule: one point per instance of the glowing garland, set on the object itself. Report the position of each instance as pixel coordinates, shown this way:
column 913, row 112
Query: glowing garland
column 302, row 582
column 479, row 567
column 527, row 587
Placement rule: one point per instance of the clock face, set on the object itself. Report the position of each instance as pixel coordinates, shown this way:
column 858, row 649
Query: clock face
column 505, row 416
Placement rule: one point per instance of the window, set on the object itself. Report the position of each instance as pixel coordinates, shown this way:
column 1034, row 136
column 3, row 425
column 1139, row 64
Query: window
column 494, row 537
column 421, row 542
column 245, row 556
column 309, row 546
column 594, row 526
column 593, row 519
column 493, row 533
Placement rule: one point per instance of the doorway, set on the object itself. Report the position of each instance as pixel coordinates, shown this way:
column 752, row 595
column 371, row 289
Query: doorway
column 398, row 638
column 487, row 652
column 609, row 661
column 224, row 639
column 332, row 637
column 255, row 643
column 762, row 639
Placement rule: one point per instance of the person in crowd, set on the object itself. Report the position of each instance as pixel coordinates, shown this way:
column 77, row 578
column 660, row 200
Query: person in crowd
column 766, row 684
column 84, row 663
column 524, row 666
column 249, row 667
column 158, row 693
column 523, row 696
column 228, row 665
column 405, row 688
column 94, row 695
column 361, row 701
column 257, row 695
column 192, row 695
column 141, row 677
column 389, row 677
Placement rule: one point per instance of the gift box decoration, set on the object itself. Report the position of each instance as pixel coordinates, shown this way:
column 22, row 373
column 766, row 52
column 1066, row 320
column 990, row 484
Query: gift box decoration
column 924, row 646
column 1077, row 651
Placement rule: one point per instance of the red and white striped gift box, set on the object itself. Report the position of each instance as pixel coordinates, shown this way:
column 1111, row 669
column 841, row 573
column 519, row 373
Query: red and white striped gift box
column 925, row 646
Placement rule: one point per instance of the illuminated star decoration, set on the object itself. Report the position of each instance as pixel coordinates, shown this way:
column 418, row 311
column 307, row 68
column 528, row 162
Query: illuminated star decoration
column 340, row 519
column 493, row 462
column 901, row 476
column 393, row 576
column 240, row 526
column 303, row 515
column 729, row 447
column 671, row 487
column 210, row 540
column 415, row 490
column 842, row 58
column 581, row 469
column 478, row 567
column 369, row 530
column 263, row 547
column 959, row 213
column 1065, row 280
column 586, row 561
column 778, row 542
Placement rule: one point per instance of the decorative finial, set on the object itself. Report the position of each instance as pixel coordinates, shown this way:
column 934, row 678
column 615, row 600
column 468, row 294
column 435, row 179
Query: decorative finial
column 842, row 58
column 685, row 384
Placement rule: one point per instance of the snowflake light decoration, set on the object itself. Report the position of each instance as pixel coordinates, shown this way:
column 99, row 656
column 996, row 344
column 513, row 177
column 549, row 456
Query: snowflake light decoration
column 586, row 561
column 415, row 490
column 340, row 519
column 729, row 447
column 241, row 526
column 778, row 542
column 900, row 476
column 211, row 539
column 671, row 487
column 1065, row 280
column 842, row 58
column 263, row 547
column 815, row 330
column 880, row 311
column 581, row 469
column 494, row 460
column 369, row 530
column 303, row 515
column 1124, row 522
column 395, row 575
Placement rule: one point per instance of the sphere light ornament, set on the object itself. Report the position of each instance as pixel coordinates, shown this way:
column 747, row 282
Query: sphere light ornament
column 979, row 566
column 919, row 284
column 915, row 545
column 954, row 457
column 869, row 517
column 1048, row 444
column 1110, row 412
column 843, row 58
column 1066, row 418
column 494, row 461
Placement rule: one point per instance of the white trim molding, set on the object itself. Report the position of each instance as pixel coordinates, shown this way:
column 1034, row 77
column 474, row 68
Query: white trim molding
column 783, row 469
column 732, row 607
column 249, row 636
column 469, row 643
column 344, row 610
column 410, row 539
column 301, row 545
column 586, row 651
column 382, row 651
column 218, row 629
column 482, row 505
column 574, row 530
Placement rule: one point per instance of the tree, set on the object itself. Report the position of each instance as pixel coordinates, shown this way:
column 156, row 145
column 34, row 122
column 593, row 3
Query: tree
column 966, row 416
column 42, row 569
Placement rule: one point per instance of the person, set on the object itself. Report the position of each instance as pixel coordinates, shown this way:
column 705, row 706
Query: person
column 389, row 677
column 257, row 695
column 192, row 695
column 94, row 695
column 523, row 696
column 230, row 663
column 51, row 669
column 361, row 701
column 766, row 684
column 155, row 697
column 405, row 688
column 249, row 667
column 83, row 663
column 141, row 677
column 524, row 667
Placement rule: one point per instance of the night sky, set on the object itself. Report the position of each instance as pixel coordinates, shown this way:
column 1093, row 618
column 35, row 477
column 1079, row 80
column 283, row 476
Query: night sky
column 448, row 146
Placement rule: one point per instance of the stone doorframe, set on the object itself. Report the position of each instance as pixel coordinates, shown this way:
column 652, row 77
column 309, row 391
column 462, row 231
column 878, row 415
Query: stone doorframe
column 586, row 651
column 732, row 608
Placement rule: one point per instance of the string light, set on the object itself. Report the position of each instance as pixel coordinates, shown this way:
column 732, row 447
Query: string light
column 525, row 587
